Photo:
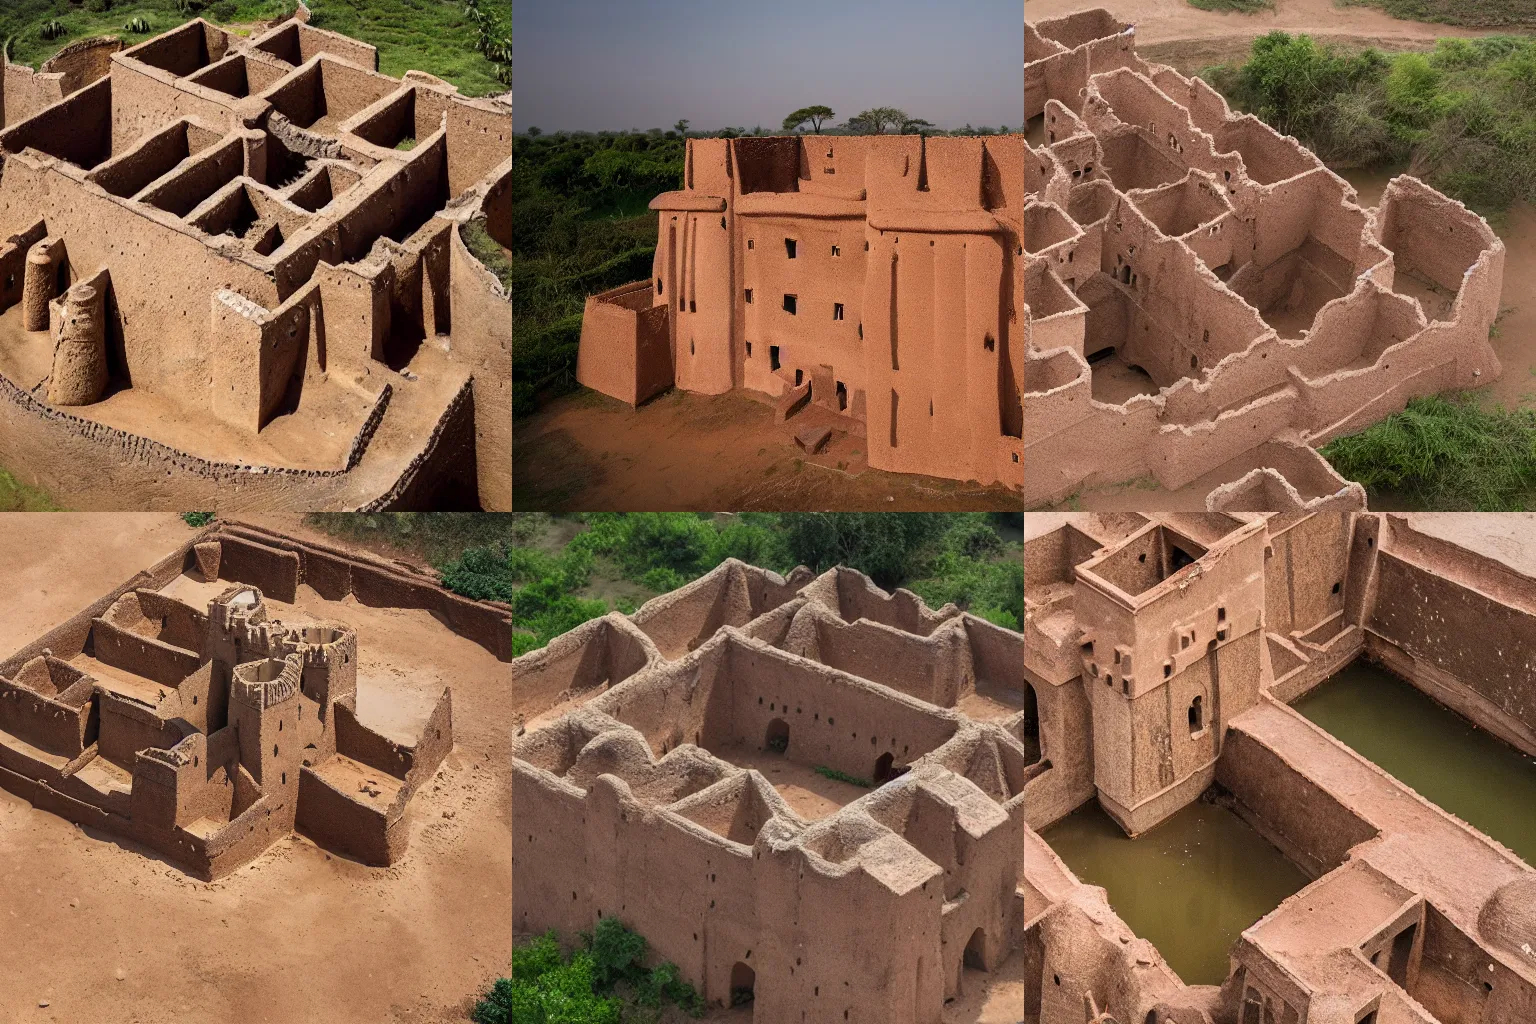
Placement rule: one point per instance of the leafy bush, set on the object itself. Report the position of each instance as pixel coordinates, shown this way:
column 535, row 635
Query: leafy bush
column 1462, row 117
column 592, row 986
column 196, row 519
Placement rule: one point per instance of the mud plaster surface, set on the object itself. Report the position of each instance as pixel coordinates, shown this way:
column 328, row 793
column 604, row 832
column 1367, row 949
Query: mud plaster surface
column 686, row 452
column 297, row 935
column 986, row 999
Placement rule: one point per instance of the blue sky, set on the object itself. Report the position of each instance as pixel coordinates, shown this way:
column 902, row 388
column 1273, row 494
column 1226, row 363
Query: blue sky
column 617, row 64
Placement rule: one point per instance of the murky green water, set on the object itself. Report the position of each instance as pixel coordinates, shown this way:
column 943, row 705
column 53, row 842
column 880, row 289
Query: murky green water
column 1443, row 757
column 1190, row 886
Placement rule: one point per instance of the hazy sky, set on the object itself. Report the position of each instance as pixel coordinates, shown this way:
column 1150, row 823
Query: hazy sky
column 616, row 64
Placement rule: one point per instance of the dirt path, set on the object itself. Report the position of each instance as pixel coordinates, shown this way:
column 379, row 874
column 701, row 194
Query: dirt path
column 1173, row 32
column 104, row 931
column 685, row 452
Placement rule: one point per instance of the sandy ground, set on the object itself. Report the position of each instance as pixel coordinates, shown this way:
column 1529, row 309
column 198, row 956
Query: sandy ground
column 101, row 931
column 685, row 452
column 1174, row 32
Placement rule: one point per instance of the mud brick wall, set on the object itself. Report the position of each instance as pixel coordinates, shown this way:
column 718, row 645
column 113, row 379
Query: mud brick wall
column 275, row 572
column 362, row 744
column 340, row 823
column 764, row 686
column 141, row 655
column 45, row 723
column 1300, row 817
column 1483, row 644
column 128, row 727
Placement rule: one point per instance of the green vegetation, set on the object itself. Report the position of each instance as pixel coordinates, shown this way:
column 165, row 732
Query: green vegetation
column 852, row 780
column 604, row 982
column 580, row 226
column 441, row 37
column 815, row 115
column 1462, row 117
column 197, row 519
column 1479, row 13
column 472, row 550
column 16, row 496
column 1446, row 453
column 1237, row 6
column 488, row 251
column 959, row 557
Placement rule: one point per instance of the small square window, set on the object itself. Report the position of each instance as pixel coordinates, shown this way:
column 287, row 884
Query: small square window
column 773, row 357
column 750, row 243
column 749, row 296
column 789, row 304
column 789, row 247
column 837, row 311
column 836, row 251
column 749, row 350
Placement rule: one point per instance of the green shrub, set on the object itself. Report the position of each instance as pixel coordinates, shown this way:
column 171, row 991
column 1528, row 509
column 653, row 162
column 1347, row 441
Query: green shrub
column 1445, row 453
column 594, row 985
column 197, row 519
column 1462, row 117
column 16, row 496
column 98, row 6
column 852, row 780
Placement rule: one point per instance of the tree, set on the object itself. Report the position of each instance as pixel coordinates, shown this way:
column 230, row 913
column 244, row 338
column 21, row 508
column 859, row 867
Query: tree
column 815, row 115
column 916, row 126
column 876, row 121
column 681, row 127
column 533, row 131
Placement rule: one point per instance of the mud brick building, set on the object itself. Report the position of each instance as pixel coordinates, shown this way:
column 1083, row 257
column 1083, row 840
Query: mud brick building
column 877, row 277
column 1160, row 656
column 657, row 792
column 1205, row 302
column 232, row 276
column 179, row 712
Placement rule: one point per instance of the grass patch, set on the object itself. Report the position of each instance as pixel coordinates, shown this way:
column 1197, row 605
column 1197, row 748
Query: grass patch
column 1446, row 453
column 852, row 780
column 439, row 37
column 1235, row 6
column 1477, row 13
column 943, row 557
column 16, row 496
column 1461, row 117
column 604, row 981
column 488, row 251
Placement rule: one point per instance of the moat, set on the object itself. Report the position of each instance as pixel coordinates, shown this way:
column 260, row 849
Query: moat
column 1189, row 886
column 1431, row 749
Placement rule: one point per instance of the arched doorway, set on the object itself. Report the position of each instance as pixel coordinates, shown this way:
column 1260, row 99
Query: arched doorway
column 778, row 735
column 883, row 768
column 976, row 950
column 1031, row 726
column 743, row 979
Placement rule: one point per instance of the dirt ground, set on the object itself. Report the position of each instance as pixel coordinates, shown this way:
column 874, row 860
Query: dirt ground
column 587, row 452
column 1174, row 32
column 99, row 930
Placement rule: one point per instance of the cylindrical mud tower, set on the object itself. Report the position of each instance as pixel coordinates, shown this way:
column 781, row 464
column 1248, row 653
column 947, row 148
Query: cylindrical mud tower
column 40, row 282
column 80, row 350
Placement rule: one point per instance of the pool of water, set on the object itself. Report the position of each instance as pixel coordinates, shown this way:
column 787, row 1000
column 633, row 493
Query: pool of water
column 1190, row 886
column 1445, row 758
